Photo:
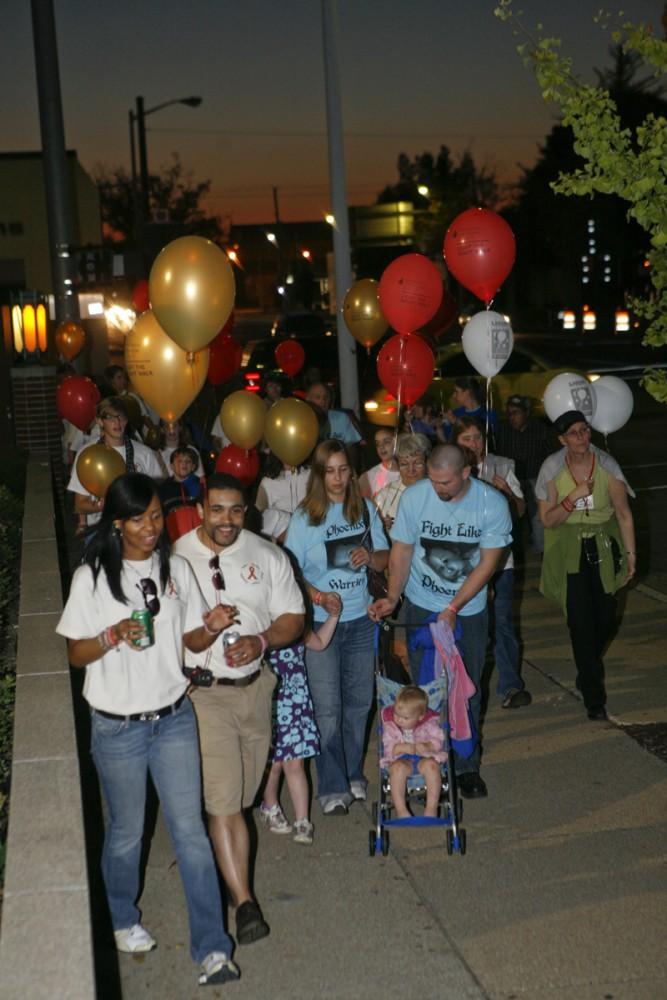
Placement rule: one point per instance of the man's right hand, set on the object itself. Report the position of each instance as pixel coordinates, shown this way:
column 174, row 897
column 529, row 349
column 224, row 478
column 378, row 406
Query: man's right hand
column 381, row 608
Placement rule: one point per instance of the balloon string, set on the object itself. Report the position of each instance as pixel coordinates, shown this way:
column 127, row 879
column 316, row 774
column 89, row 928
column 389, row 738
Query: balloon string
column 400, row 384
column 488, row 419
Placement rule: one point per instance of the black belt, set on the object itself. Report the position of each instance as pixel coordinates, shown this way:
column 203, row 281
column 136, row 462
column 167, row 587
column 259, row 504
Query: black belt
column 145, row 716
column 239, row 682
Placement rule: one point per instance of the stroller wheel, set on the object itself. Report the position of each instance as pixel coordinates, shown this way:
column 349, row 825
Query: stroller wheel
column 371, row 843
column 385, row 842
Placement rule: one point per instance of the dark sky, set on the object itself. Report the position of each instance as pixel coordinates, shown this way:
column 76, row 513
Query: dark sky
column 414, row 74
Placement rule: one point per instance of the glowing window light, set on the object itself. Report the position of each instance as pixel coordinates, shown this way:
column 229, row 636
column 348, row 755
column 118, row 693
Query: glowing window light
column 7, row 328
column 17, row 328
column 622, row 321
column 590, row 320
column 42, row 327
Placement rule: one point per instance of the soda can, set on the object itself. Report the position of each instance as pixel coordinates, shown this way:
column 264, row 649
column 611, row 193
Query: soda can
column 229, row 637
column 148, row 638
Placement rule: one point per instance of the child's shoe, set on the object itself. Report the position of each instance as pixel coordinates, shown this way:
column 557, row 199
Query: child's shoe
column 274, row 819
column 303, row 832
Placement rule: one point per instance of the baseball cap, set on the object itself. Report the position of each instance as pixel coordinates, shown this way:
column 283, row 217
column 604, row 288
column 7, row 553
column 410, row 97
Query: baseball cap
column 567, row 419
column 522, row 402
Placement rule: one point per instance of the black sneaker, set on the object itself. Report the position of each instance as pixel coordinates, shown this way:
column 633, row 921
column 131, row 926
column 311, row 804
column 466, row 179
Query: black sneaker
column 516, row 699
column 471, row 786
column 598, row 714
column 250, row 924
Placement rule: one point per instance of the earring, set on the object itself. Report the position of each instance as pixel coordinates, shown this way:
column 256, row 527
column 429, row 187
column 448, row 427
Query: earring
column 116, row 530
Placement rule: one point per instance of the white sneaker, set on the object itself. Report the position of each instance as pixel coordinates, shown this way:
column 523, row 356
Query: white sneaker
column 303, row 832
column 358, row 790
column 335, row 807
column 134, row 940
column 217, row 968
column 274, row 819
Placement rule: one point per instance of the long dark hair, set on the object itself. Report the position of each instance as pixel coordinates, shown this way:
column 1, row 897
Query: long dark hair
column 128, row 496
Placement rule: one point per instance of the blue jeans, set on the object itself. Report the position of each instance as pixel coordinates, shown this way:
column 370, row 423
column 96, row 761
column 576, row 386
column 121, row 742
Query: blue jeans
column 341, row 686
column 506, row 644
column 472, row 647
column 124, row 754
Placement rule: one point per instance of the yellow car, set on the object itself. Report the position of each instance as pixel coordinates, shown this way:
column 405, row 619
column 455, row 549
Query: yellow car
column 524, row 373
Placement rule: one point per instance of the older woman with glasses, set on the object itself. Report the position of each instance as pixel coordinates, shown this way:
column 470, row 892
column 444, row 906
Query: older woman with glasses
column 589, row 547
column 412, row 451
column 130, row 609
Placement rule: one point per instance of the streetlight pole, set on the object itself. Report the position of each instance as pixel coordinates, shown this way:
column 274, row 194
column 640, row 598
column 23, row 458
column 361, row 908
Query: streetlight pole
column 140, row 192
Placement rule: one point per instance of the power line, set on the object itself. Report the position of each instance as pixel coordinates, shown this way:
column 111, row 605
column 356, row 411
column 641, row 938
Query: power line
column 350, row 135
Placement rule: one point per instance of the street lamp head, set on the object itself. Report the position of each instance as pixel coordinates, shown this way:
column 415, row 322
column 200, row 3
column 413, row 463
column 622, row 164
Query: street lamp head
column 271, row 237
column 192, row 102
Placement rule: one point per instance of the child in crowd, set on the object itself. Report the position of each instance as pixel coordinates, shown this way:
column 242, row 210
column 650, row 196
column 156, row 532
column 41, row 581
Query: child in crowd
column 411, row 732
column 295, row 735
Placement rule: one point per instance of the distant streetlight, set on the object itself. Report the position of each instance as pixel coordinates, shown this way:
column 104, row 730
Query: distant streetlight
column 423, row 190
column 272, row 238
column 306, row 254
column 139, row 116
column 330, row 219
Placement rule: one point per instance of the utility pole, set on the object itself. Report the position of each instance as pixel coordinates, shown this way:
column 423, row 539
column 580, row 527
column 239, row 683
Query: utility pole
column 347, row 353
column 143, row 158
column 57, row 179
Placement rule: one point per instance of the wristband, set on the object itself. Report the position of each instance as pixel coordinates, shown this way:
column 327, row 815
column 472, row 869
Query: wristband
column 111, row 637
column 317, row 597
column 567, row 505
column 264, row 641
column 103, row 641
column 452, row 609
column 211, row 631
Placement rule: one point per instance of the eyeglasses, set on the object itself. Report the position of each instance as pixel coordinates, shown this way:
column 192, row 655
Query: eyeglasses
column 148, row 588
column 584, row 432
column 416, row 464
column 217, row 578
column 112, row 416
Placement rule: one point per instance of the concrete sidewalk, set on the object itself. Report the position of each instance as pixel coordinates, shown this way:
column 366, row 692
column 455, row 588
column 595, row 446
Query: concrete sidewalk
column 562, row 892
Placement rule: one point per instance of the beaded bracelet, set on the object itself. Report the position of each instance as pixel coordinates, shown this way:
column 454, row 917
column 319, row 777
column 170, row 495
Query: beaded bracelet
column 317, row 597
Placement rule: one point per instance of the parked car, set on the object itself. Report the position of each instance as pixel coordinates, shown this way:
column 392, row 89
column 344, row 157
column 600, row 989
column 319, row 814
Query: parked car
column 524, row 373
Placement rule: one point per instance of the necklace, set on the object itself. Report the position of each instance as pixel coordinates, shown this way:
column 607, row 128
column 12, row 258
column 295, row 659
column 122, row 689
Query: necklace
column 587, row 479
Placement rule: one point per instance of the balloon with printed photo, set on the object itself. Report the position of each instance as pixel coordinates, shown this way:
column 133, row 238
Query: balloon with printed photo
column 569, row 391
column 487, row 342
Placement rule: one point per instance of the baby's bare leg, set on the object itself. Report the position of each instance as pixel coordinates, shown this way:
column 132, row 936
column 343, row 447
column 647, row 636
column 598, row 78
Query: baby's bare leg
column 431, row 771
column 399, row 772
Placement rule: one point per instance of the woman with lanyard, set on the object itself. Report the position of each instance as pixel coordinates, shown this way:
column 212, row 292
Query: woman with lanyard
column 335, row 535
column 589, row 547
column 141, row 720
column 469, row 434
column 138, row 457
column 412, row 451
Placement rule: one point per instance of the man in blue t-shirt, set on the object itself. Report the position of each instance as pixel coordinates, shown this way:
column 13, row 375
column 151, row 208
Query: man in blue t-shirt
column 447, row 540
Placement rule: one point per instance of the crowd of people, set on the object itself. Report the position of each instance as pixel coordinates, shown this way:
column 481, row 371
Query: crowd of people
column 220, row 663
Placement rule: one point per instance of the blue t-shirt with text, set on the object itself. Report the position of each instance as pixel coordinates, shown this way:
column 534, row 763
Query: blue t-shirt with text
column 323, row 553
column 447, row 537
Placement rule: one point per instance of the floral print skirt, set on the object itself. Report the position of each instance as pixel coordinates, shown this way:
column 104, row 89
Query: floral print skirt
column 295, row 734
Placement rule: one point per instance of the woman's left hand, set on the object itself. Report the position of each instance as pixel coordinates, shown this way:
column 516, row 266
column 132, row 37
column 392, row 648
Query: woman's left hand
column 502, row 485
column 360, row 557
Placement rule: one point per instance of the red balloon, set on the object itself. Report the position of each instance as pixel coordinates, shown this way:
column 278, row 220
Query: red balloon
column 76, row 400
column 224, row 358
column 444, row 317
column 290, row 356
column 239, row 462
column 410, row 292
column 405, row 368
column 140, row 299
column 480, row 250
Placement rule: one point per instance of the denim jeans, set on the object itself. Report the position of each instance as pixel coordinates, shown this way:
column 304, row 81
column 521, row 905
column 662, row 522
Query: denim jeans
column 506, row 644
column 472, row 647
column 124, row 752
column 341, row 686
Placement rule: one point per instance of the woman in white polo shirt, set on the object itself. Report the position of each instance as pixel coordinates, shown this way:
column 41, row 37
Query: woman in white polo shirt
column 141, row 720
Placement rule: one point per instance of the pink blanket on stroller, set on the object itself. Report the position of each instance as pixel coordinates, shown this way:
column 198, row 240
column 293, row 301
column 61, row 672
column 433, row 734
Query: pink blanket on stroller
column 459, row 686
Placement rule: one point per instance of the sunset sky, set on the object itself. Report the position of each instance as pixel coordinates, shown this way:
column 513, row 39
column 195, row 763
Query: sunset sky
column 414, row 75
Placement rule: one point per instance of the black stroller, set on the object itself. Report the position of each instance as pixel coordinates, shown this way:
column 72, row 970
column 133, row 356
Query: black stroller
column 450, row 808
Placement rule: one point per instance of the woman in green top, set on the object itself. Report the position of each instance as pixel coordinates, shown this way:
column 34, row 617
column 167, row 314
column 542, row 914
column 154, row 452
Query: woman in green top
column 589, row 547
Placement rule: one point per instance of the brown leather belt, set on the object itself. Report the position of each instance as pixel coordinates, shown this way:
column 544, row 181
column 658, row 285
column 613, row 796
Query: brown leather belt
column 239, row 682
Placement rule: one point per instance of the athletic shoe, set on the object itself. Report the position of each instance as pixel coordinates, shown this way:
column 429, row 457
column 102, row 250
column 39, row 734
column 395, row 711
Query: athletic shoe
column 274, row 819
column 217, row 968
column 516, row 699
column 335, row 807
column 303, row 832
column 358, row 790
column 134, row 940
column 250, row 924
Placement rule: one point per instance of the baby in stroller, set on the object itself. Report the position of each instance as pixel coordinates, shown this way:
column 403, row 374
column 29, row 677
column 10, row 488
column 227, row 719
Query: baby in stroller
column 412, row 742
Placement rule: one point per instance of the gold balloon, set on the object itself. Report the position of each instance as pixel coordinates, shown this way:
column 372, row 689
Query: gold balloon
column 97, row 466
column 242, row 416
column 166, row 377
column 291, row 430
column 69, row 338
column 191, row 290
column 362, row 314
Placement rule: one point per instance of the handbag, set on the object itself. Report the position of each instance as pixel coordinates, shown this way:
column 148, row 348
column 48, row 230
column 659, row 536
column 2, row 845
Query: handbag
column 376, row 581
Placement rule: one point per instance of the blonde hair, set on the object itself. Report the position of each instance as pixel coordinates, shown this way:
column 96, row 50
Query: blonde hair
column 316, row 502
column 412, row 696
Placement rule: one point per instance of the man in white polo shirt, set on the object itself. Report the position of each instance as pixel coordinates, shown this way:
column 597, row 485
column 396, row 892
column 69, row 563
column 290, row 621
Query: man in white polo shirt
column 254, row 576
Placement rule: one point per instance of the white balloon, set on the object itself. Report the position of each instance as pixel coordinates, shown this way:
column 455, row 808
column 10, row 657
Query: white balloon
column 487, row 342
column 569, row 392
column 614, row 404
